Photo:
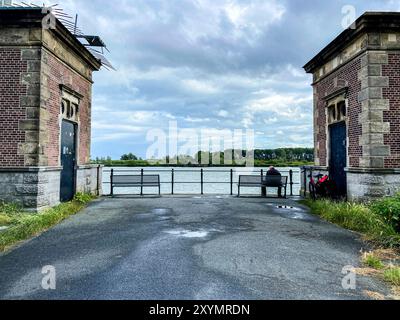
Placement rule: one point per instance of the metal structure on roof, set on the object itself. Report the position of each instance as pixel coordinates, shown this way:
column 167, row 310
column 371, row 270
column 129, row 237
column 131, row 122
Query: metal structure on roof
column 94, row 44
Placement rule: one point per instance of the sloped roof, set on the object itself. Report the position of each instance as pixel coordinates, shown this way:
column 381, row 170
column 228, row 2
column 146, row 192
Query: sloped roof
column 368, row 22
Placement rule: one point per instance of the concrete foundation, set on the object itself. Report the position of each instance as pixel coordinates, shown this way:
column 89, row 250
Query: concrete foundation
column 369, row 184
column 38, row 188
column 89, row 179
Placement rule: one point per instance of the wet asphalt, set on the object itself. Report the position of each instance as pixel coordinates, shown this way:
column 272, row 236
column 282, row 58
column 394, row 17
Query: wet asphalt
column 190, row 248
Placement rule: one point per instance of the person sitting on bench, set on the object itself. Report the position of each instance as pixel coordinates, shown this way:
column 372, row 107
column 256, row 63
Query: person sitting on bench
column 272, row 177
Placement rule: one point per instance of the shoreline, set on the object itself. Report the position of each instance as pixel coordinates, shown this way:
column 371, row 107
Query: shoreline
column 283, row 165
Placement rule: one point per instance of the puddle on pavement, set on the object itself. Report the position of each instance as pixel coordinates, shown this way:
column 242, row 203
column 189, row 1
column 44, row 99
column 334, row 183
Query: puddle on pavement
column 297, row 215
column 161, row 211
column 294, row 213
column 161, row 214
column 188, row 233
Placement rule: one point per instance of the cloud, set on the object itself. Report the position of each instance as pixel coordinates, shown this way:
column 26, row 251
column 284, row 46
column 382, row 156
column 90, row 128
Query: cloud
column 223, row 113
column 222, row 64
column 278, row 104
column 194, row 85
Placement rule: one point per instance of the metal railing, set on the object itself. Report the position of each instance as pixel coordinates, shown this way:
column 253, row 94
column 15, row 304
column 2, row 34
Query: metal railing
column 173, row 182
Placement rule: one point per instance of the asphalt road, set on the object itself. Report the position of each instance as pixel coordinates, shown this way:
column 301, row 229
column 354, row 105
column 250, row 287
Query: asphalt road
column 188, row 248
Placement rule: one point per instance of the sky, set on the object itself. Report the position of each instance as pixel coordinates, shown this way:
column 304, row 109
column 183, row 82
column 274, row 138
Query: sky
column 208, row 64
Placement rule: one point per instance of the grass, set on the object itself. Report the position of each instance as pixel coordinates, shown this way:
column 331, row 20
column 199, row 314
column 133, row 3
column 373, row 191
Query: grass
column 392, row 275
column 372, row 261
column 24, row 225
column 359, row 218
column 4, row 220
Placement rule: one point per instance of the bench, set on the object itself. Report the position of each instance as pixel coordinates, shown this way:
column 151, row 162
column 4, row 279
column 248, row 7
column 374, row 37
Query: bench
column 138, row 181
column 263, row 182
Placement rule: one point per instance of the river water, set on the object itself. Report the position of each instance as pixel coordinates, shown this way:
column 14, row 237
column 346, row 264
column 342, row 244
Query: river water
column 188, row 180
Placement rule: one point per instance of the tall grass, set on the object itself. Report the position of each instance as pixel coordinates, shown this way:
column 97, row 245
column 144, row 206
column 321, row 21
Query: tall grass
column 23, row 225
column 359, row 218
column 392, row 275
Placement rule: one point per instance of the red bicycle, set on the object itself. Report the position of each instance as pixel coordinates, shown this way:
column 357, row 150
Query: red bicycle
column 321, row 186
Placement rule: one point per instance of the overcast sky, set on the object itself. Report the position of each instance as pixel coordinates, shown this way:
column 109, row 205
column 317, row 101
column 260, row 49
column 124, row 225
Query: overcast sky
column 208, row 64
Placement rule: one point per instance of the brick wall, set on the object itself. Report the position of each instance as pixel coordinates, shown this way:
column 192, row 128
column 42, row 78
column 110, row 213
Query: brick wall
column 348, row 74
column 12, row 68
column 392, row 70
column 54, row 73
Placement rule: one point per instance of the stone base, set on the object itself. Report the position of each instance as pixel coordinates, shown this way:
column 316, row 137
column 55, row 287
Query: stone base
column 38, row 188
column 370, row 184
column 89, row 179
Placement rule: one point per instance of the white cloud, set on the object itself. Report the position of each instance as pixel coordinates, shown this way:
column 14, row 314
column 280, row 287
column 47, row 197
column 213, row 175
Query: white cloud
column 223, row 113
column 199, row 86
column 283, row 105
column 271, row 120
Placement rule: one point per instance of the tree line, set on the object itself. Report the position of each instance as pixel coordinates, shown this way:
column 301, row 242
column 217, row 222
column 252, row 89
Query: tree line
column 262, row 157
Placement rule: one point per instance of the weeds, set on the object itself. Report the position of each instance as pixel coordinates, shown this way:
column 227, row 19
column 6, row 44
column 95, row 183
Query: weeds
column 24, row 225
column 392, row 275
column 357, row 217
column 372, row 261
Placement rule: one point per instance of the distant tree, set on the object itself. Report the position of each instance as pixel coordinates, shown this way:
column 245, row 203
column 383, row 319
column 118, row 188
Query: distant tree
column 128, row 156
column 285, row 154
column 203, row 157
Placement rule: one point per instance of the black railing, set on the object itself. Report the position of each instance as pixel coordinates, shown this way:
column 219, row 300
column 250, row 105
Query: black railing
column 201, row 172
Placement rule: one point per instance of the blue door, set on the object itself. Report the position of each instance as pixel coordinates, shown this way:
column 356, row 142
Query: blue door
column 338, row 157
column 68, row 161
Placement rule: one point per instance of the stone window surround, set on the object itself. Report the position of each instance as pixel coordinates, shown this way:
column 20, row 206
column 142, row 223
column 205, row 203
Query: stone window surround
column 69, row 110
column 71, row 96
column 337, row 107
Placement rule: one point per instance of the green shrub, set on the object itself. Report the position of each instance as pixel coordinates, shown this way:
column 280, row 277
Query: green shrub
column 392, row 275
column 389, row 210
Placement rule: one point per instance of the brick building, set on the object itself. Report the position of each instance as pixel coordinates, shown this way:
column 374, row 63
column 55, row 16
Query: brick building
column 45, row 111
column 356, row 82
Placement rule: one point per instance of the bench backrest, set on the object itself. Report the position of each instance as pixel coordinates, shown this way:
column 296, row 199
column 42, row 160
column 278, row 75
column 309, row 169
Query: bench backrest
column 275, row 181
column 136, row 179
column 256, row 180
